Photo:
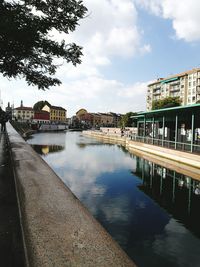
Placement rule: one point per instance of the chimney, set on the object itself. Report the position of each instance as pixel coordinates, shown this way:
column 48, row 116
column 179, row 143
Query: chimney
column 21, row 103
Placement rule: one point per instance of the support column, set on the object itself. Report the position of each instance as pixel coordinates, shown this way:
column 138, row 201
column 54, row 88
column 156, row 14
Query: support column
column 153, row 130
column 163, row 136
column 192, row 138
column 176, row 131
column 144, row 129
column 136, row 137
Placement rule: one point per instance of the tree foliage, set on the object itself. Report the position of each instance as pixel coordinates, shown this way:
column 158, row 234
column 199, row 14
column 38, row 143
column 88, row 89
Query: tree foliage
column 40, row 104
column 126, row 120
column 166, row 103
column 26, row 47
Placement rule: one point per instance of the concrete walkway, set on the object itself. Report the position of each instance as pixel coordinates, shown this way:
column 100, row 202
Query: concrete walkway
column 11, row 249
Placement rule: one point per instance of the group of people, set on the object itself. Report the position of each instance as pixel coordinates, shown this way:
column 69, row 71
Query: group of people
column 3, row 120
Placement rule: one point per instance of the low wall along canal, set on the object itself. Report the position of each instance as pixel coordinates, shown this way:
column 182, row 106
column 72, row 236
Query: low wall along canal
column 147, row 203
column 57, row 229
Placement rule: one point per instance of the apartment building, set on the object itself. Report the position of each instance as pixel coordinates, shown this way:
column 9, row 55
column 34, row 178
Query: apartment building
column 57, row 114
column 185, row 85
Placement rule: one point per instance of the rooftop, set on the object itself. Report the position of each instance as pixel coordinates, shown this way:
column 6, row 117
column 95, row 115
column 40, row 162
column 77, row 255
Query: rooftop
column 181, row 74
column 179, row 108
column 56, row 107
column 24, row 108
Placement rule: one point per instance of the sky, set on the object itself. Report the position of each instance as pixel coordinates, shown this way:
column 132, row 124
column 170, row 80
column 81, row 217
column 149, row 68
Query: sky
column 126, row 45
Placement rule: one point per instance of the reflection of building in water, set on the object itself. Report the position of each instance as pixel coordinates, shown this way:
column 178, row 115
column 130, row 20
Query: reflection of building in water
column 45, row 149
column 177, row 193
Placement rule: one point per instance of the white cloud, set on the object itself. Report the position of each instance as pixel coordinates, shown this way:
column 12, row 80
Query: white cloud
column 109, row 32
column 184, row 15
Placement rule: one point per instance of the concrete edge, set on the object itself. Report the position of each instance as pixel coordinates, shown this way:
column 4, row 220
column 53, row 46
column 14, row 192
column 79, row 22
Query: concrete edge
column 57, row 229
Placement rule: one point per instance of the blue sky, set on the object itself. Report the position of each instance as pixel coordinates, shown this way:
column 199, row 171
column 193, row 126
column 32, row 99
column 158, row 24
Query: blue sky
column 127, row 44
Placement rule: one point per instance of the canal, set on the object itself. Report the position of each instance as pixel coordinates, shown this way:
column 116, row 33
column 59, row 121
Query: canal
column 151, row 211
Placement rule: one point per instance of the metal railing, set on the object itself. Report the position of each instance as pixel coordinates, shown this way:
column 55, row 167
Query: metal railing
column 188, row 147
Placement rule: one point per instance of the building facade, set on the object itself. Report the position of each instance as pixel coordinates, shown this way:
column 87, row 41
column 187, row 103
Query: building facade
column 106, row 119
column 24, row 113
column 80, row 113
column 41, row 116
column 57, row 114
column 185, row 85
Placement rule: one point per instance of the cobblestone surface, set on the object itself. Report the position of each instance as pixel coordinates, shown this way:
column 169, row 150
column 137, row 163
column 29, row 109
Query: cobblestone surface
column 11, row 249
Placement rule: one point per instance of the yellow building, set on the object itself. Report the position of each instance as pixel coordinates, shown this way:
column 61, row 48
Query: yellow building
column 80, row 113
column 57, row 114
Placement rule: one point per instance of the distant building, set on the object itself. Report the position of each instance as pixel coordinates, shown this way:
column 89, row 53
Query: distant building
column 57, row 114
column 9, row 111
column 96, row 119
column 86, row 119
column 91, row 119
column 185, row 85
column 106, row 119
column 116, row 118
column 80, row 113
column 23, row 113
column 41, row 116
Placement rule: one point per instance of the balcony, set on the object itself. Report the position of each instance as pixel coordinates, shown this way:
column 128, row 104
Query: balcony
column 198, row 89
column 175, row 89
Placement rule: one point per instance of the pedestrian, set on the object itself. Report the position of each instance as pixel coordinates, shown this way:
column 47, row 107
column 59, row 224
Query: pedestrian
column 3, row 120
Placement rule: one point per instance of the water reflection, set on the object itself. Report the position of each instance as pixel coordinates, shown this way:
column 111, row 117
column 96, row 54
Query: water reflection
column 151, row 211
column 45, row 150
column 177, row 193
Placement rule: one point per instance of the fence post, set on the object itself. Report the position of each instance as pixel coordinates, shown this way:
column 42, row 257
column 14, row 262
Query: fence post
column 192, row 137
column 176, row 131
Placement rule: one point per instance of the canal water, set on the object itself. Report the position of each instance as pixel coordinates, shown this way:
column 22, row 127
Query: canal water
column 151, row 211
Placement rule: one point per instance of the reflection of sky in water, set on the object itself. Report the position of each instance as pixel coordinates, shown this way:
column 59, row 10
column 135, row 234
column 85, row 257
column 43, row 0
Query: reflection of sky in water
column 101, row 176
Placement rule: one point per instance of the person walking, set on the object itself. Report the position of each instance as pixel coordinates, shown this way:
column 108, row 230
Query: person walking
column 3, row 120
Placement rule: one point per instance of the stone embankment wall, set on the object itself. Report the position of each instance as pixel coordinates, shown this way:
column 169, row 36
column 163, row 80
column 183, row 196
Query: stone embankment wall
column 57, row 229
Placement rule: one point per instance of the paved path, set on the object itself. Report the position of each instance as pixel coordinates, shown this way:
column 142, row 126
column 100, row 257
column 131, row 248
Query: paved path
column 11, row 250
